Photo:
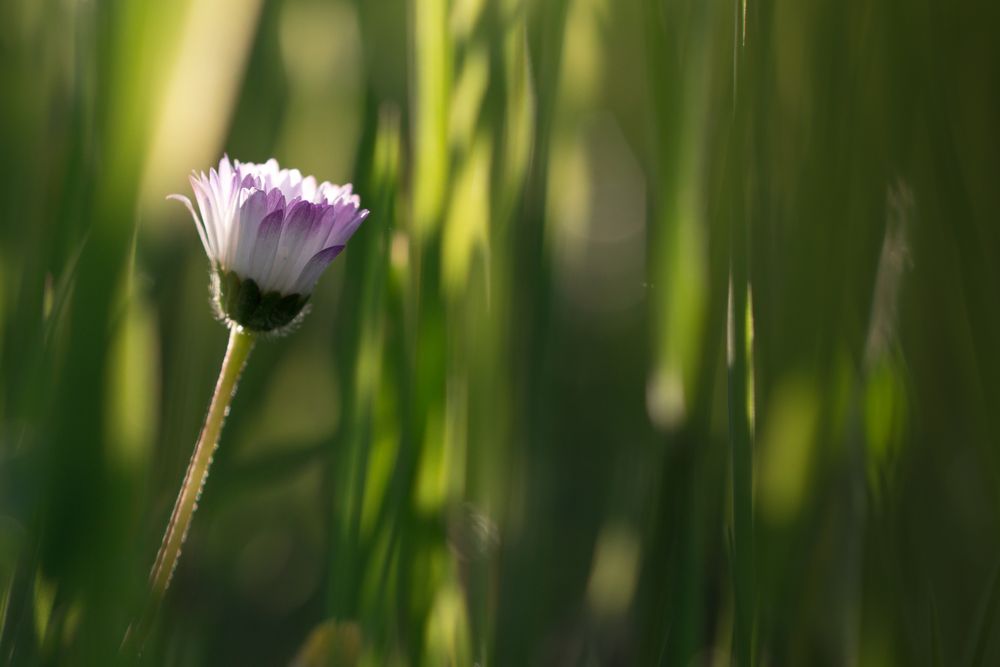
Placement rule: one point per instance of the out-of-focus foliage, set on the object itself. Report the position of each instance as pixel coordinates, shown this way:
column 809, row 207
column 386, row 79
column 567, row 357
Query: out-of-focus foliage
column 506, row 434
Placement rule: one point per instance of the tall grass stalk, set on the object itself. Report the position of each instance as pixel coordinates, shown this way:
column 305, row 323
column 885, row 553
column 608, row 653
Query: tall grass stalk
column 740, row 370
column 742, row 465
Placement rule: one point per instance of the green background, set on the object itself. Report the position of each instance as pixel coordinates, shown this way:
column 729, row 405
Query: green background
column 672, row 338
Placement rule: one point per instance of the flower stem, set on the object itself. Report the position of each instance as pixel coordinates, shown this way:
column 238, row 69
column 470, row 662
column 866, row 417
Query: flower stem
column 240, row 344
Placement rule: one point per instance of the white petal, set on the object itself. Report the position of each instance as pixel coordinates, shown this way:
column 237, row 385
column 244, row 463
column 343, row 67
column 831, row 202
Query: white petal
column 251, row 214
column 309, row 189
column 208, row 216
column 299, row 226
column 225, row 168
column 265, row 245
column 349, row 218
column 197, row 222
column 313, row 269
column 232, row 214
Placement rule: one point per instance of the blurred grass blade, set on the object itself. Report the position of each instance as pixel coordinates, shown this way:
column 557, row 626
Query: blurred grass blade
column 937, row 651
column 432, row 73
column 983, row 625
column 331, row 644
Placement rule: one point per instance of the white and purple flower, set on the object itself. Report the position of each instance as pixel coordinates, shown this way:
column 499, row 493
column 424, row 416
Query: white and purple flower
column 269, row 234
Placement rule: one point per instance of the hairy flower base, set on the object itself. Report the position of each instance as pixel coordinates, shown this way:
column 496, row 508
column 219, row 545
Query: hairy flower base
column 241, row 301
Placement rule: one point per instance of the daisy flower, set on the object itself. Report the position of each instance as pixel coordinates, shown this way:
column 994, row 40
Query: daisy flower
column 269, row 233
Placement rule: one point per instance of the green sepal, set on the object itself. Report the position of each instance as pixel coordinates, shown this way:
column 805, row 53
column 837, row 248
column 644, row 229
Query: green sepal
column 242, row 302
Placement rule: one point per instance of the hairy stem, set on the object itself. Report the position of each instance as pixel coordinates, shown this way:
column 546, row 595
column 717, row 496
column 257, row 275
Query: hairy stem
column 240, row 344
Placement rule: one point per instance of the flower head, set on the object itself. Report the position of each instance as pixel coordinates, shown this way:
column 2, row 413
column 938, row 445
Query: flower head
column 269, row 234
